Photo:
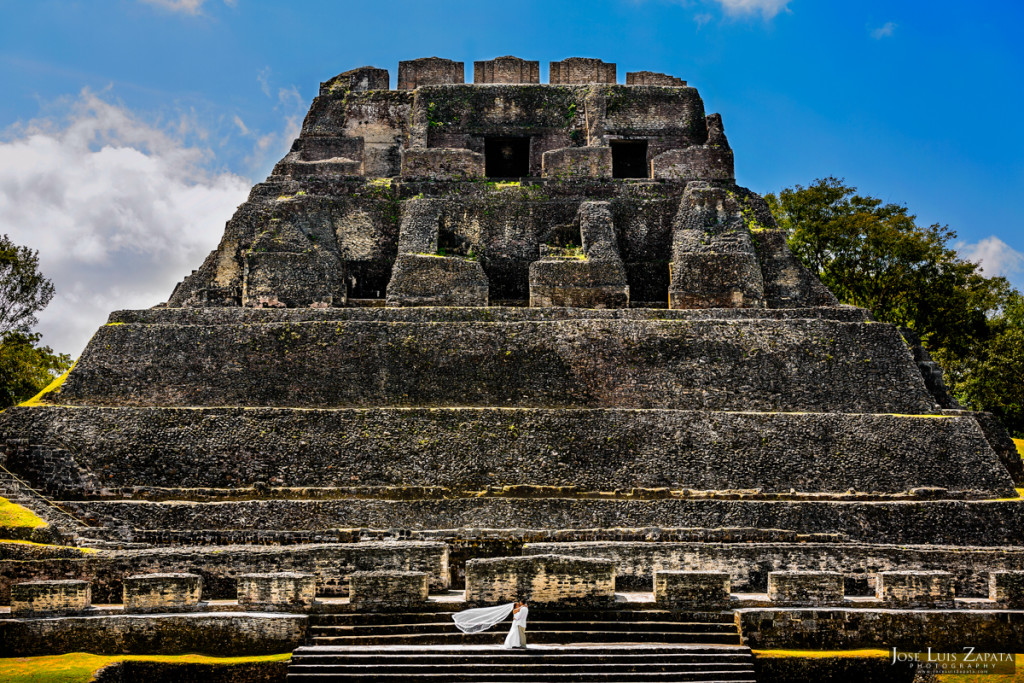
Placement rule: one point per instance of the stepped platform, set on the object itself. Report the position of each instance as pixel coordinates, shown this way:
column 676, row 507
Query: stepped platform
column 576, row 662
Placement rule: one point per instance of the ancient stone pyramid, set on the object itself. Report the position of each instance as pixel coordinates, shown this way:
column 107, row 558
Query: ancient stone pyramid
column 466, row 320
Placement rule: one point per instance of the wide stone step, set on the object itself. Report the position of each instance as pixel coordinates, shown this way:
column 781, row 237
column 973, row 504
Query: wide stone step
column 926, row 522
column 545, row 615
column 541, row 625
column 535, row 636
column 535, row 659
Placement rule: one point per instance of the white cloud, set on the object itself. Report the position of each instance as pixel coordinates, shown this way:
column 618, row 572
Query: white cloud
column 119, row 209
column 995, row 256
column 263, row 78
column 884, row 31
column 185, row 6
column 767, row 8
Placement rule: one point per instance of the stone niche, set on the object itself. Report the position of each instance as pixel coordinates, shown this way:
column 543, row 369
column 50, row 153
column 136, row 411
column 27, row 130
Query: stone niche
column 580, row 71
column 592, row 276
column 542, row 579
column 577, row 162
column 442, row 163
column 805, row 588
column 149, row 593
column 653, row 78
column 1007, row 589
column 687, row 590
column 387, row 589
column 429, row 71
column 916, row 589
column 506, row 70
column 49, row 598
column 277, row 591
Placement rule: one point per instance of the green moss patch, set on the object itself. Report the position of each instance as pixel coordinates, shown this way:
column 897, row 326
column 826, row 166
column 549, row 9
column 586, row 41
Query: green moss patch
column 14, row 516
column 822, row 654
column 80, row 667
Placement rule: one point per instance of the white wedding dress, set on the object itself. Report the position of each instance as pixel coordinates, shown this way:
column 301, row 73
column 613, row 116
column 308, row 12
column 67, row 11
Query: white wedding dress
column 483, row 618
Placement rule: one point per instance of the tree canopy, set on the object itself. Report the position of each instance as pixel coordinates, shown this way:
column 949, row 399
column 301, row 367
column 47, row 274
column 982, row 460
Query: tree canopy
column 25, row 366
column 874, row 255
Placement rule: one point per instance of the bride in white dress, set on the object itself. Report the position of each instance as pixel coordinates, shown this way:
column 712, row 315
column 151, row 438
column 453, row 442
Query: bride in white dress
column 483, row 618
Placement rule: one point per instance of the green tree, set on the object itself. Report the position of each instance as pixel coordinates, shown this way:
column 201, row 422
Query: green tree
column 25, row 367
column 874, row 255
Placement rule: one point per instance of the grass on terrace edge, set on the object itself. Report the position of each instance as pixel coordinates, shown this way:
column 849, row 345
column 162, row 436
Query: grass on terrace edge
column 80, row 667
column 13, row 515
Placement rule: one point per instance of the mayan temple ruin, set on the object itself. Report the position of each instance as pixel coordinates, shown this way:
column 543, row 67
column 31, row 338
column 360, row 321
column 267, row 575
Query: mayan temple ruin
column 477, row 342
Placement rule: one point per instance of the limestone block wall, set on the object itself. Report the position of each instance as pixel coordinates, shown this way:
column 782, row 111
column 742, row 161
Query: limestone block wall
column 597, row 451
column 387, row 589
column 849, row 629
column 793, row 365
column 221, row 567
column 577, row 162
column 223, row 635
column 694, row 163
column 49, row 598
column 546, row 579
column 691, row 589
column 442, row 163
column 429, row 280
column 277, row 591
column 429, row 71
column 170, row 592
column 506, row 70
column 575, row 70
column 653, row 78
column 805, row 588
column 1007, row 588
column 750, row 565
column 917, row 588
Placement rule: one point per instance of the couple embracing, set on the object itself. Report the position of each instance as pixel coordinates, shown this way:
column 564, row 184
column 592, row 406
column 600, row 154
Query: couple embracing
column 477, row 620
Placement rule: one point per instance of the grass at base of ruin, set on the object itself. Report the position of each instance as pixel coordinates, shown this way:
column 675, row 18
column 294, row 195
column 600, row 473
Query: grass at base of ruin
column 886, row 654
column 80, row 667
column 13, row 515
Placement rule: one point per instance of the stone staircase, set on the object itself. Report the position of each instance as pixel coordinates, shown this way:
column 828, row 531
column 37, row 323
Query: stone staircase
column 627, row 644
column 63, row 526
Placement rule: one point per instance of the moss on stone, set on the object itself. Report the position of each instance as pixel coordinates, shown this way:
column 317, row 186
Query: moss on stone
column 82, row 666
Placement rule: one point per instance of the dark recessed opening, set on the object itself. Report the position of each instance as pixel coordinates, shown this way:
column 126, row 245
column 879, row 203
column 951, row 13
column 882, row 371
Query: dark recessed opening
column 507, row 157
column 629, row 159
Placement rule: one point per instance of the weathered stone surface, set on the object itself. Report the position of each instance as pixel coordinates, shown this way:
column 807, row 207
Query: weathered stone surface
column 805, row 588
column 653, row 78
column 222, row 634
column 506, row 70
column 581, row 70
column 714, row 262
column 431, row 280
column 849, row 629
column 691, row 589
column 357, row 80
column 748, row 564
column 170, row 592
column 442, row 163
column 1007, row 589
column 221, row 566
column 916, row 588
column 49, row 598
column 541, row 579
column 577, row 162
column 387, row 589
column 277, row 591
column 429, row 71
column 584, row 448
column 759, row 365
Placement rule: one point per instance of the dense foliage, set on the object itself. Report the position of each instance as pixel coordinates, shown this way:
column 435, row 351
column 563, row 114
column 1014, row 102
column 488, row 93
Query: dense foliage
column 25, row 366
column 875, row 255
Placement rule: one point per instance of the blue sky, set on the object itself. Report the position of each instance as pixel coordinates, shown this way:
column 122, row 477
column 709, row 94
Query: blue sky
column 130, row 129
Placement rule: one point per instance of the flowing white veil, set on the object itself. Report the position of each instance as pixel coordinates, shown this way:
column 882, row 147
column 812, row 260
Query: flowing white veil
column 481, row 618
